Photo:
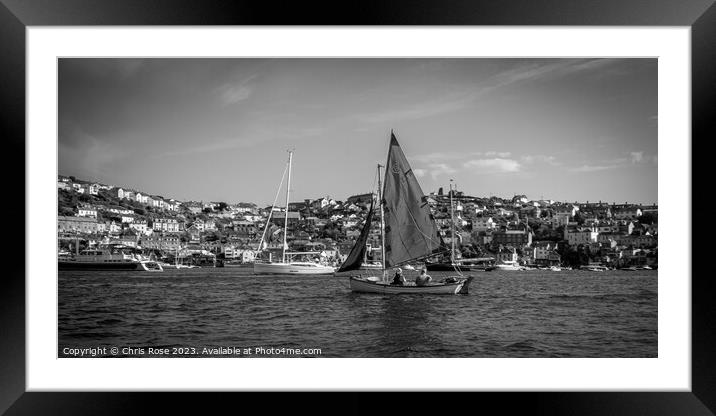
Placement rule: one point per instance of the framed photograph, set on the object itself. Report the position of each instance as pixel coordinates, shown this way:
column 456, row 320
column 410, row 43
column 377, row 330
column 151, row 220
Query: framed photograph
column 451, row 203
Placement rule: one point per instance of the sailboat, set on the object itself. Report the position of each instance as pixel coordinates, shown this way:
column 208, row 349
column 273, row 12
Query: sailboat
column 284, row 266
column 452, row 265
column 408, row 233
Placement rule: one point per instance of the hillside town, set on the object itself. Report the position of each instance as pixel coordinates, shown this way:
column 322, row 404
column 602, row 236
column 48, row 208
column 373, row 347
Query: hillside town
column 505, row 230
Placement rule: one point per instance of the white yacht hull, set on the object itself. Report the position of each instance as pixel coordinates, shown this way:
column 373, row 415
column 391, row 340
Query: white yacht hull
column 507, row 267
column 374, row 285
column 292, row 268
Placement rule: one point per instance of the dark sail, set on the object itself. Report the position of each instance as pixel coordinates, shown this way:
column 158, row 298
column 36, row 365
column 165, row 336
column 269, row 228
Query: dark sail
column 355, row 258
column 410, row 231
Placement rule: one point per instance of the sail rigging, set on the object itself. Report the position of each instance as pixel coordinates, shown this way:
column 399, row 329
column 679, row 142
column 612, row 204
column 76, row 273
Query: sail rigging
column 410, row 230
column 355, row 258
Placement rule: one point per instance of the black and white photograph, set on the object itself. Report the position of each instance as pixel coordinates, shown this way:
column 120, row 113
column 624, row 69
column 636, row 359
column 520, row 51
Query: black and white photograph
column 357, row 207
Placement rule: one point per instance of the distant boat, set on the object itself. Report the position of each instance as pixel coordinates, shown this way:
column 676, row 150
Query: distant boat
column 644, row 268
column 594, row 267
column 508, row 265
column 453, row 264
column 109, row 257
column 284, row 266
column 177, row 264
column 408, row 233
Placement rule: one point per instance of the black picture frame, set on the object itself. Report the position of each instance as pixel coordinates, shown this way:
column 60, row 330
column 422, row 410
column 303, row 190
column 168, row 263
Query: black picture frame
column 16, row 15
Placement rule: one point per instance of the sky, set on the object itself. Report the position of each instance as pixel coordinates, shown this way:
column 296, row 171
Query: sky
column 220, row 129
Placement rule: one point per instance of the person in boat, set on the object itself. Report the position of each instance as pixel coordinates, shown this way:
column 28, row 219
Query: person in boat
column 423, row 279
column 398, row 279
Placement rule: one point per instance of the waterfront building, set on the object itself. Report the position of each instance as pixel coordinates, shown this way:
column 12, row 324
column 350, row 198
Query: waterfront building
column 521, row 236
column 506, row 255
column 85, row 225
column 161, row 241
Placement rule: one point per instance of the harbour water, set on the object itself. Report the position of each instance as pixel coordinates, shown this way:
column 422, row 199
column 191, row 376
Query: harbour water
column 507, row 314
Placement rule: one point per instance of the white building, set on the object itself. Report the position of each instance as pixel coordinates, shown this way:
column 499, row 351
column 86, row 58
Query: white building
column 170, row 225
column 87, row 212
column 139, row 226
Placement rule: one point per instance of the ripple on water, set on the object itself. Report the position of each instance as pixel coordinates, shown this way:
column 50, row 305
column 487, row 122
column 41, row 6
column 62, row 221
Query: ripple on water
column 524, row 314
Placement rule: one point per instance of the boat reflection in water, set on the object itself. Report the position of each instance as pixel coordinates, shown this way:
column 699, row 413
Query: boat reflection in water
column 108, row 257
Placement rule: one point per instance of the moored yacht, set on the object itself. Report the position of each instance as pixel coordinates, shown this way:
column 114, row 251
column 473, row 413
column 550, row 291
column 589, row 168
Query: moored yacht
column 111, row 257
column 508, row 265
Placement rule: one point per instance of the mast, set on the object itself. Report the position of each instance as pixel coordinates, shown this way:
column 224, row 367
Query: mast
column 285, row 220
column 452, row 231
column 382, row 223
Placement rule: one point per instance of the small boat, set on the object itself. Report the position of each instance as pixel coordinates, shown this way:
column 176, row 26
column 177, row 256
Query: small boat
column 408, row 233
column 555, row 268
column 594, row 268
column 109, row 257
column 294, row 267
column 284, row 266
column 376, row 285
column 371, row 266
column 509, row 265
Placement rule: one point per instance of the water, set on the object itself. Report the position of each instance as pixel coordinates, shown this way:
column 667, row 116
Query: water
column 507, row 314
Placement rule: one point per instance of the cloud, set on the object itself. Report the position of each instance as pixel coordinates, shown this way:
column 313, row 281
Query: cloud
column 420, row 108
column 419, row 172
column 87, row 155
column 636, row 157
column 593, row 168
column 437, row 169
column 437, row 157
column 452, row 156
column 248, row 140
column 496, row 165
column 499, row 154
column 550, row 160
column 447, row 104
column 232, row 93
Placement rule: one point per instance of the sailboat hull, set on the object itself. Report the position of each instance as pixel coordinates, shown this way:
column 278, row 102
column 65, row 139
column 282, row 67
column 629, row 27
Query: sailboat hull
column 292, row 268
column 370, row 285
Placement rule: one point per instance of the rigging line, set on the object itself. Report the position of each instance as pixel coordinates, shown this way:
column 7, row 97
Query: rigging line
column 278, row 191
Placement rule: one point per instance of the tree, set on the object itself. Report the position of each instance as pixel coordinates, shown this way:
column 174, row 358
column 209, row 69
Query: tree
column 648, row 218
column 578, row 218
column 66, row 211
